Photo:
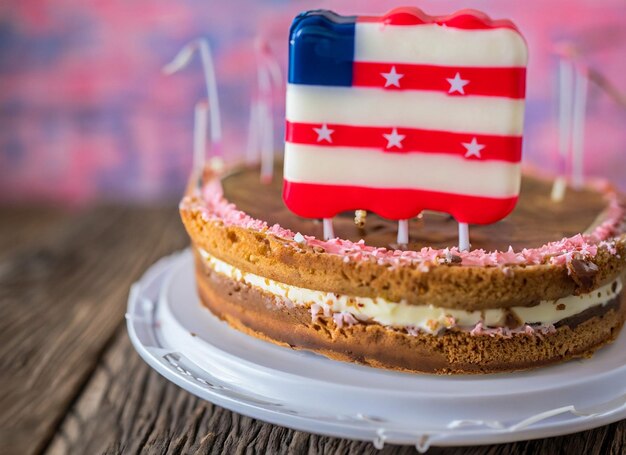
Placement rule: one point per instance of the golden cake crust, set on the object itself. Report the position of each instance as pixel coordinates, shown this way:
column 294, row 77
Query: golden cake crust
column 446, row 285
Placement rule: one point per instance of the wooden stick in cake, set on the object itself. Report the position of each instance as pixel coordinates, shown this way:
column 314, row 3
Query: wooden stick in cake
column 578, row 126
column 403, row 232
column 180, row 61
column 329, row 232
column 464, row 243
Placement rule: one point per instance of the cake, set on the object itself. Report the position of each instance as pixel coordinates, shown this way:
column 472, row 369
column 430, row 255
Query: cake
column 554, row 295
column 540, row 284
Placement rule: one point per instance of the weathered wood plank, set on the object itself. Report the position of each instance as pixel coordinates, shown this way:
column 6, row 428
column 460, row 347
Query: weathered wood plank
column 20, row 225
column 127, row 407
column 62, row 295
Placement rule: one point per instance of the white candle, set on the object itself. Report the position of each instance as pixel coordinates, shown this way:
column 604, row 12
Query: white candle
column 578, row 127
column 253, row 134
column 403, row 232
column 329, row 233
column 464, row 243
column 267, row 144
column 201, row 116
column 566, row 76
column 266, row 121
column 268, row 78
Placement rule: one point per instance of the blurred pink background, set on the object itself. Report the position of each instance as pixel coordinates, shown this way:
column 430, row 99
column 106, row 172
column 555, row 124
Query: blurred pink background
column 85, row 112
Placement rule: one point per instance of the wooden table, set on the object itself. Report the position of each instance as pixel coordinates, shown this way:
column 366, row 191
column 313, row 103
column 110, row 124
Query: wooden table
column 70, row 380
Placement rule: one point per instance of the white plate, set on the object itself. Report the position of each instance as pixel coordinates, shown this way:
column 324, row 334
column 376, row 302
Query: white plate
column 192, row 348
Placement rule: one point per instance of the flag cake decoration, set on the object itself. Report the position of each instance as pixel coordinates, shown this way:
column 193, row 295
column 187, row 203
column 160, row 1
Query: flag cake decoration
column 403, row 113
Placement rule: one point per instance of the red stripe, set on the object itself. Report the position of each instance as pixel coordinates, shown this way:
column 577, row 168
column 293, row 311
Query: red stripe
column 490, row 81
column 501, row 148
column 467, row 19
column 311, row 200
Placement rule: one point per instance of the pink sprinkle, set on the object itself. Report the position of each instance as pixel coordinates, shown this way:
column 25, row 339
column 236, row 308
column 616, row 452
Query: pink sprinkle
column 412, row 330
column 505, row 332
column 477, row 330
column 315, row 311
column 344, row 318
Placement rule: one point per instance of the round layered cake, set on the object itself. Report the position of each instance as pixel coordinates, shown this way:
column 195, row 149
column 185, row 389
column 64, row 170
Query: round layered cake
column 541, row 286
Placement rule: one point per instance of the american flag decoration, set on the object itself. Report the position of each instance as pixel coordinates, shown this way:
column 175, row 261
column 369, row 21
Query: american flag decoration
column 402, row 113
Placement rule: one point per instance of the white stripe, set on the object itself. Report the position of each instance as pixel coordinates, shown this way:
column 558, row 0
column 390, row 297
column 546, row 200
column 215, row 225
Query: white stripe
column 410, row 109
column 376, row 169
column 437, row 45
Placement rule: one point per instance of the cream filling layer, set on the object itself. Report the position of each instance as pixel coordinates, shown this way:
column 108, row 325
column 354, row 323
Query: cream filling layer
column 428, row 318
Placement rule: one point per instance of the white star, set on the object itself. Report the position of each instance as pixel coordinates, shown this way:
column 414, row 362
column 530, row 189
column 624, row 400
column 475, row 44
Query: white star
column 323, row 133
column 394, row 139
column 392, row 78
column 457, row 84
column 473, row 148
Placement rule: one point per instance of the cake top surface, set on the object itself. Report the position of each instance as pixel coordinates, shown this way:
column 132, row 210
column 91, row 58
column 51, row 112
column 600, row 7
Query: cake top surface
column 539, row 231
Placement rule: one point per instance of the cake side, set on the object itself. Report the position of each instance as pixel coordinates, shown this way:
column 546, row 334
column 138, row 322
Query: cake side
column 432, row 310
column 467, row 280
column 457, row 351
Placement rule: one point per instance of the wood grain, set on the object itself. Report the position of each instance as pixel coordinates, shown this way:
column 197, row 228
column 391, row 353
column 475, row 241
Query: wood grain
column 62, row 295
column 71, row 382
column 20, row 225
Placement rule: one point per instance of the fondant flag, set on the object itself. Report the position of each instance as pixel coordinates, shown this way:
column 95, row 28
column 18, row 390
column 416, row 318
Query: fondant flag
column 404, row 112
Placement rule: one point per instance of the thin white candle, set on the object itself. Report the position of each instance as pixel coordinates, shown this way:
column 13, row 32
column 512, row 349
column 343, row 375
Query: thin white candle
column 201, row 117
column 558, row 189
column 566, row 80
column 464, row 243
column 578, row 127
column 267, row 143
column 266, row 111
column 329, row 233
column 254, row 129
column 268, row 78
column 403, row 232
